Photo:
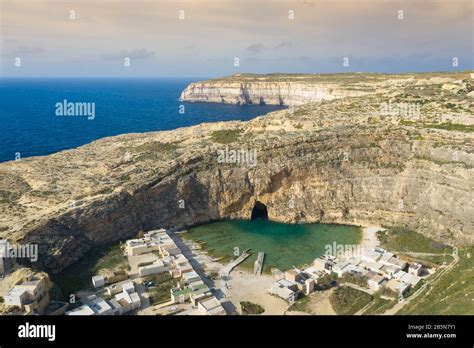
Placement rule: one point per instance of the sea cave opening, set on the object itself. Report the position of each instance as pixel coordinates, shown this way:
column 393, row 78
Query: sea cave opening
column 259, row 211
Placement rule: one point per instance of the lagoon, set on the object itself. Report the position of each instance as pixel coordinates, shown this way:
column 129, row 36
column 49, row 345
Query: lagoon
column 285, row 245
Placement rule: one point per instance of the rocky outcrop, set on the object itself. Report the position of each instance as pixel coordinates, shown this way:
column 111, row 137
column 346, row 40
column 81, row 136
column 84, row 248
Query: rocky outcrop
column 338, row 161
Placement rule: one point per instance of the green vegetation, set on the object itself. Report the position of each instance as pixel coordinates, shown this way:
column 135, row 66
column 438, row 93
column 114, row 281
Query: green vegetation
column 226, row 136
column 326, row 281
column 301, row 304
column 432, row 260
column 440, row 163
column 299, row 112
column 446, row 293
column 405, row 240
column 112, row 259
column 249, row 308
column 354, row 279
column 156, row 146
column 346, row 300
column 379, row 306
column 452, row 127
column 78, row 276
column 446, row 126
column 160, row 291
column 412, row 290
column 450, row 294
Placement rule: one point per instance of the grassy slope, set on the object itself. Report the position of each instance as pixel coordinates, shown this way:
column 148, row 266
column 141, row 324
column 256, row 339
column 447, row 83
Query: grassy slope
column 453, row 293
column 346, row 300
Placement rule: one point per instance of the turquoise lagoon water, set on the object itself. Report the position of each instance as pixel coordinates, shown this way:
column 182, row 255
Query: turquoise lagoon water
column 285, row 245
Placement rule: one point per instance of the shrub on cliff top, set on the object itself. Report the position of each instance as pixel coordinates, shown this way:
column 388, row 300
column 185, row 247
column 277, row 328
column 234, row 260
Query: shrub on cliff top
column 226, row 136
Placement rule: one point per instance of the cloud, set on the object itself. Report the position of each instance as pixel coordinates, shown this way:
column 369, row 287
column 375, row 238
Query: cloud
column 283, row 59
column 141, row 53
column 256, row 48
column 284, row 44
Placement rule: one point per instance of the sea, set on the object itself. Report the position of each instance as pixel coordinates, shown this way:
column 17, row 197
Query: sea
column 30, row 124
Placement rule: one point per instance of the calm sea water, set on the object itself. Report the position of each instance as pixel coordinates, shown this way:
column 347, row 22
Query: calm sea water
column 285, row 245
column 29, row 125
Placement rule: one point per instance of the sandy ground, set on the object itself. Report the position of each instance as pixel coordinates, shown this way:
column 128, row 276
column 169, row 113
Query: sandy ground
column 244, row 286
column 319, row 303
column 134, row 261
column 369, row 237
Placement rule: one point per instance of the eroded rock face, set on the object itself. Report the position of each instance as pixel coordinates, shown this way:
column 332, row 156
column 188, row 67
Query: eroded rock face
column 295, row 89
column 337, row 161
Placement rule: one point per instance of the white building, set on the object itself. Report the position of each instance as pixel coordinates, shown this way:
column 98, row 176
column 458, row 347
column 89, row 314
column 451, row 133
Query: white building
column 128, row 301
column 323, row 264
column 211, row 306
column 156, row 267
column 31, row 295
column 113, row 289
column 371, row 255
column 309, row 286
column 82, row 310
column 285, row 289
column 100, row 306
column 156, row 240
column 415, row 269
column 373, row 266
column 314, row 273
column 389, row 270
column 396, row 262
column 190, row 277
column 338, row 268
column 98, row 281
column 375, row 282
column 3, row 251
column 399, row 287
column 116, row 307
column 407, row 278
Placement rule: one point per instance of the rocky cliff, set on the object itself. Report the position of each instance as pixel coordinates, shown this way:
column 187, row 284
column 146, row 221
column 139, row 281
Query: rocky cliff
column 295, row 89
column 343, row 160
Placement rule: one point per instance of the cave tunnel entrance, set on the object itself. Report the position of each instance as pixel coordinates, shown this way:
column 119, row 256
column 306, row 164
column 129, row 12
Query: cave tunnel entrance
column 259, row 211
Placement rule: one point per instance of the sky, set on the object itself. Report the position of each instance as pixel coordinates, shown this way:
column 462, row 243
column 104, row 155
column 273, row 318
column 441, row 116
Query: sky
column 205, row 38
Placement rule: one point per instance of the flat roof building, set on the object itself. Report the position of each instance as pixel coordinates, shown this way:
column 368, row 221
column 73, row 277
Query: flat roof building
column 211, row 306
column 82, row 310
column 156, row 267
column 415, row 269
column 31, row 295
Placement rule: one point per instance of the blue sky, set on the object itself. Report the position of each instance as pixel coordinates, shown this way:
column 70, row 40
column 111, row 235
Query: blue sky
column 266, row 36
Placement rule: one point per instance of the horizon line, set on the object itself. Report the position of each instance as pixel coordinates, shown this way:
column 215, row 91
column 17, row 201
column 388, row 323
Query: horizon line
column 237, row 73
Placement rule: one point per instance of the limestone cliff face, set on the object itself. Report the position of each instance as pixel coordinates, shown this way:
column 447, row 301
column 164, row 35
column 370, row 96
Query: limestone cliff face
column 271, row 93
column 336, row 161
column 289, row 89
